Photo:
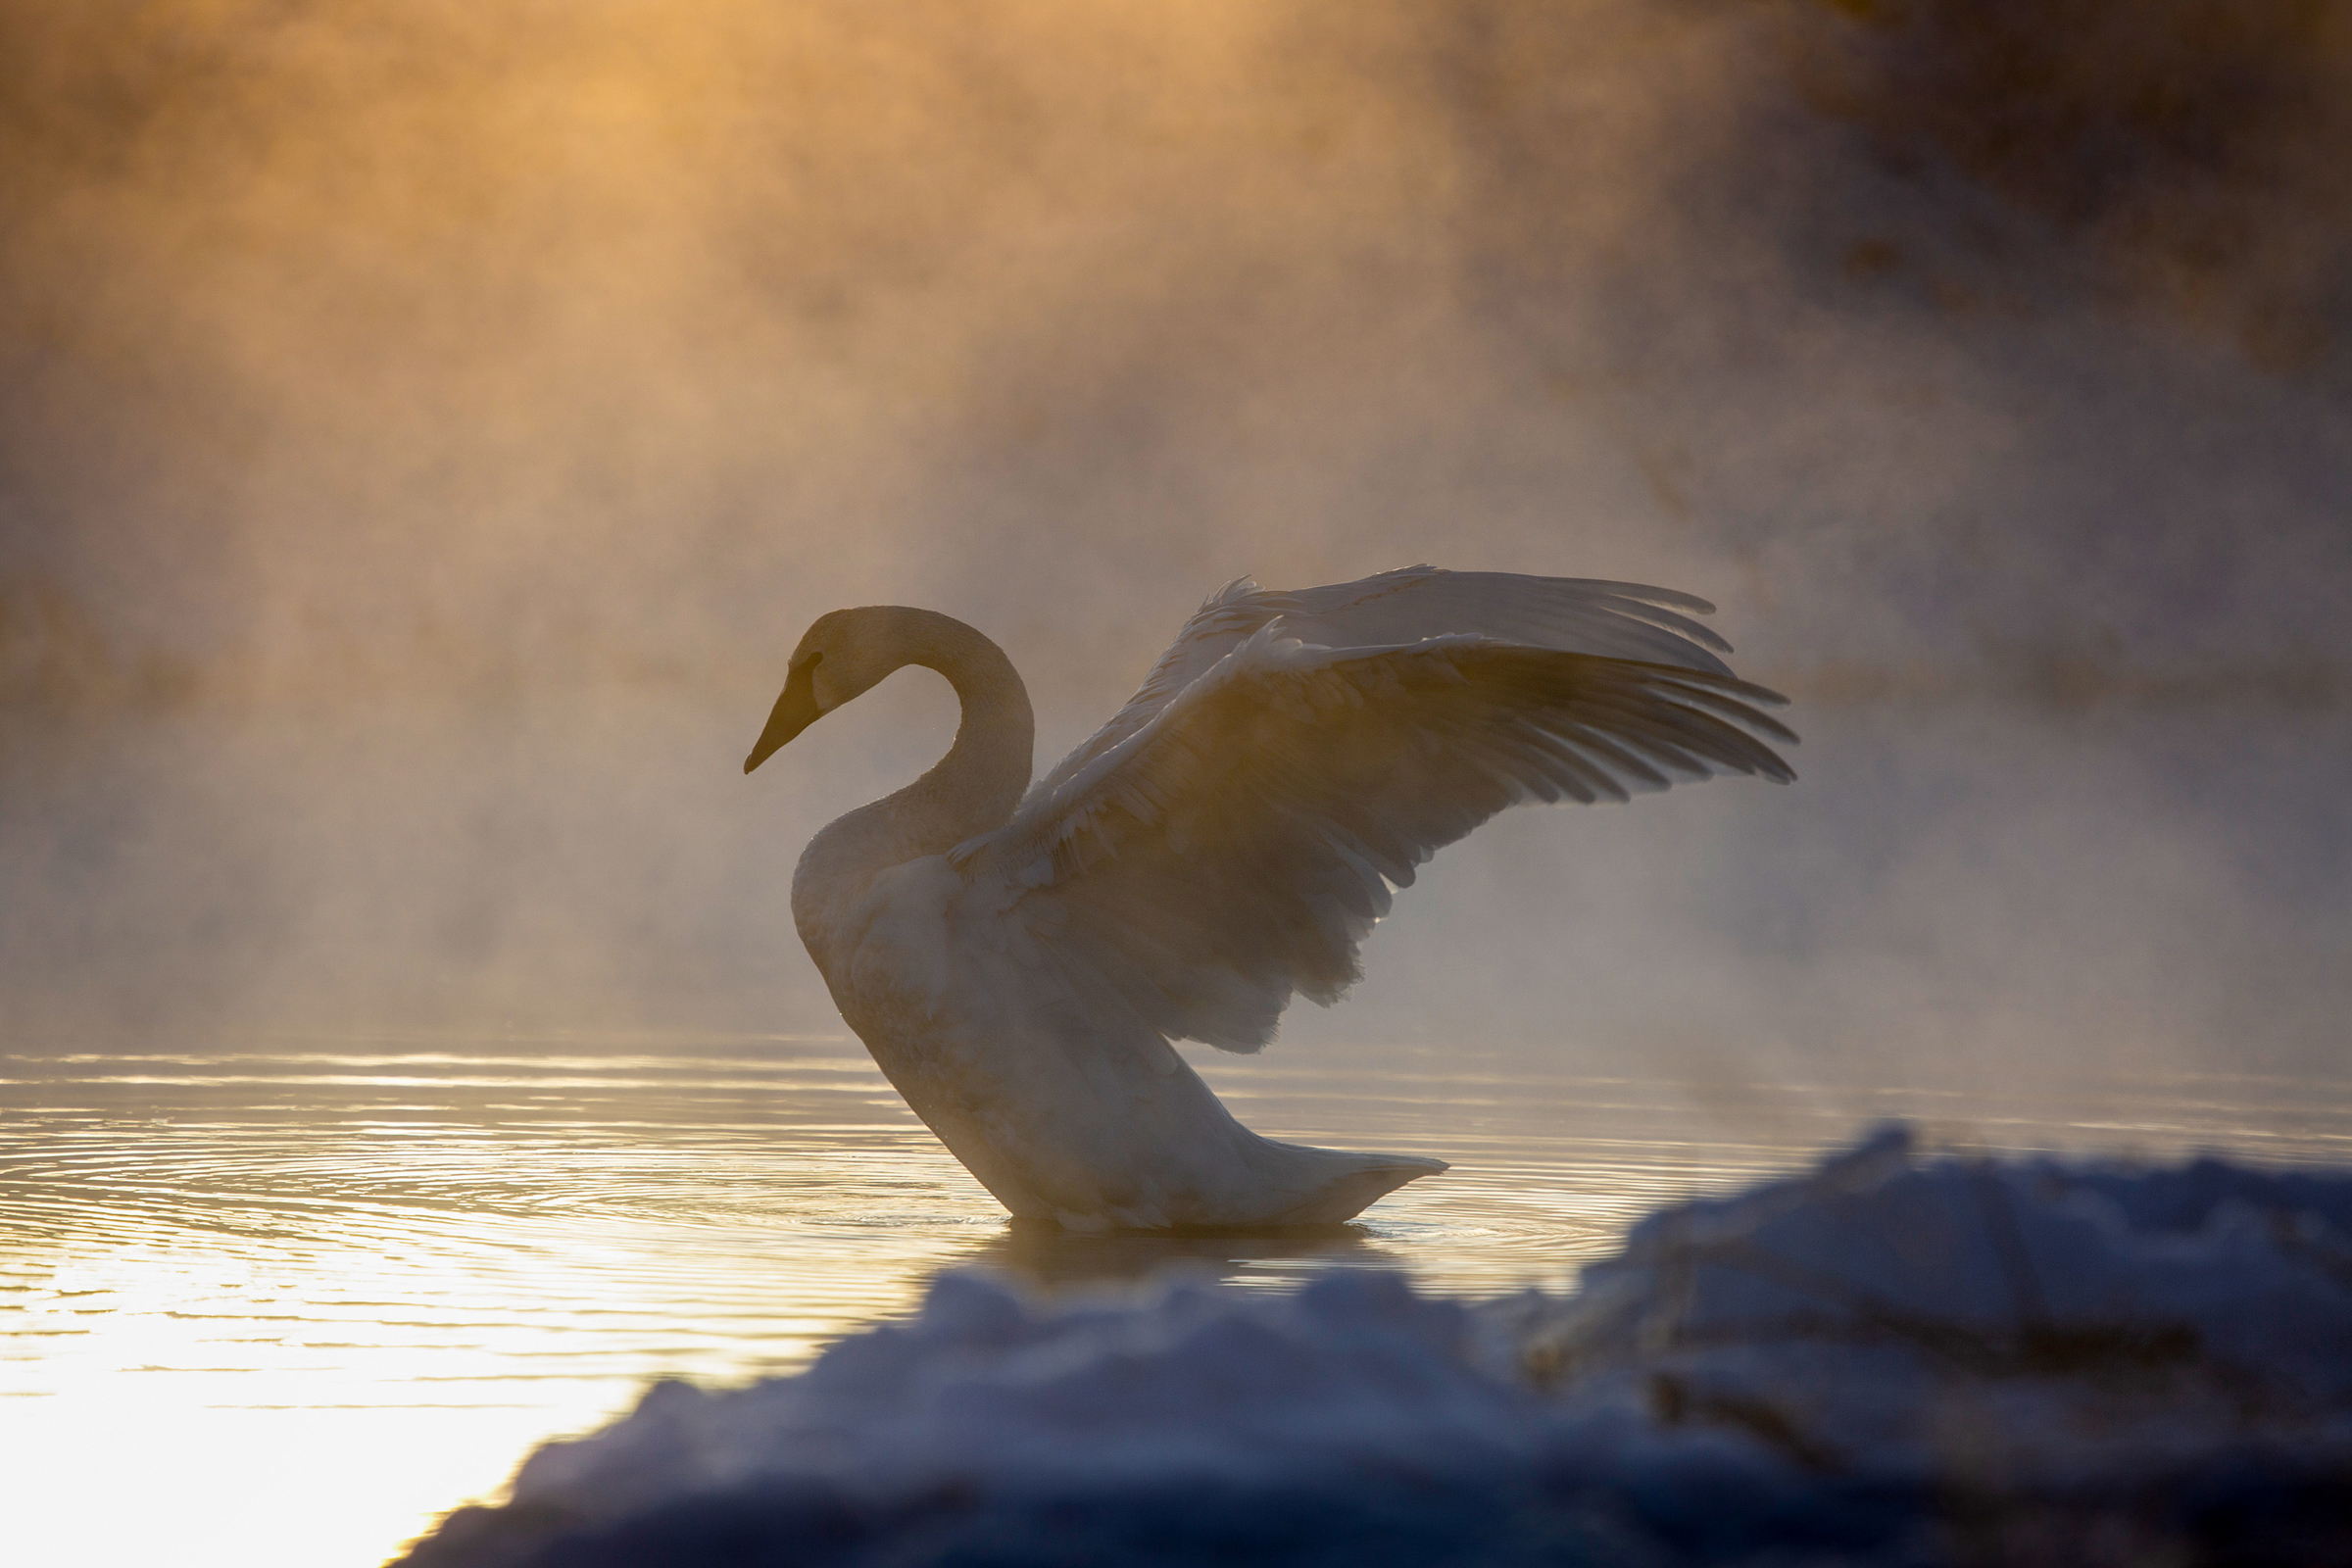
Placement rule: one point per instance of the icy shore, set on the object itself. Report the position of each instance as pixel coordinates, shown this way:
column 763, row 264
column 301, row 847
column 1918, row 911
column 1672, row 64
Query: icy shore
column 1893, row 1359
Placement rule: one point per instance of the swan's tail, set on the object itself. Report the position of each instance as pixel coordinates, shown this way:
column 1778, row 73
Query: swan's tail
column 1353, row 1183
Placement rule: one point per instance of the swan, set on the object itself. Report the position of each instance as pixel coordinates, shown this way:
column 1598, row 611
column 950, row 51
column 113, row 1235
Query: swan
column 1018, row 958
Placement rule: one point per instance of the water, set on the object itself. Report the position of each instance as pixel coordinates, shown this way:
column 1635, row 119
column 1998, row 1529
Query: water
column 285, row 1303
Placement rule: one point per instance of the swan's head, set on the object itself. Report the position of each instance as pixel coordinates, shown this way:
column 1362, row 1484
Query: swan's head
column 841, row 657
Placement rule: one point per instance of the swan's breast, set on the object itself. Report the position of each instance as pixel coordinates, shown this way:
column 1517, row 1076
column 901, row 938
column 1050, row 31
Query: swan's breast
column 908, row 961
column 893, row 943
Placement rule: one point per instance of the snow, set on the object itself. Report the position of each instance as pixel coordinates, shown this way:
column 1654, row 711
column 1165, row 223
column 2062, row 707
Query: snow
column 1896, row 1358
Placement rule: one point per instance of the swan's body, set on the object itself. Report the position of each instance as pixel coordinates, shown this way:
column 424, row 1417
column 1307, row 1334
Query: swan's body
column 1018, row 959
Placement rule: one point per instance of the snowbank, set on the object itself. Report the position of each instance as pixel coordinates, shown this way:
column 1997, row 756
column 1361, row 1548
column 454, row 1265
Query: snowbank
column 1891, row 1360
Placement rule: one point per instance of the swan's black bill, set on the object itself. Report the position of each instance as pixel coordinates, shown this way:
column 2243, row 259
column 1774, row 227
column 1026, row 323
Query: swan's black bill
column 795, row 711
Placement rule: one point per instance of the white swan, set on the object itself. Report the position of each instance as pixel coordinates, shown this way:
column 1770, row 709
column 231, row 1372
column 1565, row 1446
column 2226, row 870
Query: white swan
column 1018, row 958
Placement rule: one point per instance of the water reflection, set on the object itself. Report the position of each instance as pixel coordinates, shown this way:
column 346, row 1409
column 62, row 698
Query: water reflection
column 1053, row 1259
column 284, row 1306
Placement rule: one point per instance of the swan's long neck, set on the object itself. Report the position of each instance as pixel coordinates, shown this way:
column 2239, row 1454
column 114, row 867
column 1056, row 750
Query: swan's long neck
column 970, row 791
column 976, row 785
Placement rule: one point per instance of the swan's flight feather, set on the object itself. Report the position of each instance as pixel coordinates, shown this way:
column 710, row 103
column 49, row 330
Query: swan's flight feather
column 1575, row 614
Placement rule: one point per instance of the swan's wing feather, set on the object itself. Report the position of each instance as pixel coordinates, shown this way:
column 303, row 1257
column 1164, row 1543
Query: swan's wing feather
column 1235, row 848
column 1391, row 608
column 1576, row 614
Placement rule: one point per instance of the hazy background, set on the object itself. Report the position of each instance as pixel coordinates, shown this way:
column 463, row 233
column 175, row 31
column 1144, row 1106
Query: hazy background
column 425, row 428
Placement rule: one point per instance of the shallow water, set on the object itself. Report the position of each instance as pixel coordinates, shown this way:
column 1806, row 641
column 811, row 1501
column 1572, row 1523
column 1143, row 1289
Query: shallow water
column 285, row 1302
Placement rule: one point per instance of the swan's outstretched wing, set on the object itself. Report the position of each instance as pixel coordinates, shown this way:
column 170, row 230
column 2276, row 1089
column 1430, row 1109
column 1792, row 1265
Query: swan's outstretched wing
column 1233, row 846
column 1575, row 614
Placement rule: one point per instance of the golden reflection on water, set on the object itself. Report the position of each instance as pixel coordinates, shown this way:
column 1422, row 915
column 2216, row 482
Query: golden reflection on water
column 285, row 1307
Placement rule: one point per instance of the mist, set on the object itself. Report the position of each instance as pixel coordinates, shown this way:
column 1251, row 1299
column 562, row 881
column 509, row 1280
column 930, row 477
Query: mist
column 425, row 432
